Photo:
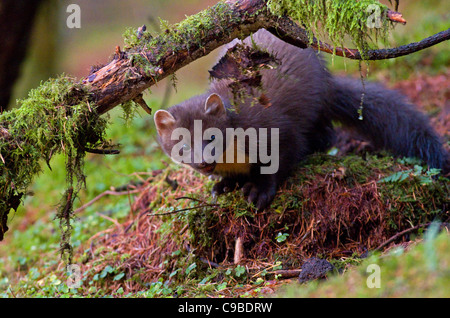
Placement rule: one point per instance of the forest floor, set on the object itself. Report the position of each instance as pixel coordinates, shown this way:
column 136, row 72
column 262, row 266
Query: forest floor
column 166, row 237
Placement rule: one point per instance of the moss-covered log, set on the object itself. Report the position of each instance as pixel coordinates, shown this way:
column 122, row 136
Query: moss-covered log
column 146, row 59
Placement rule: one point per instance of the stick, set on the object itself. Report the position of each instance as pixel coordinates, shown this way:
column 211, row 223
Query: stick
column 182, row 210
column 400, row 234
column 238, row 249
column 384, row 54
column 101, row 195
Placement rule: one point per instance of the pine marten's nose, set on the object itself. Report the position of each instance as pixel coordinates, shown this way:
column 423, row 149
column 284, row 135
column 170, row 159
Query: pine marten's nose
column 202, row 165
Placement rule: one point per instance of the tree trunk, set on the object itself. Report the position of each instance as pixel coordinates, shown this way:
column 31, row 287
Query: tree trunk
column 16, row 20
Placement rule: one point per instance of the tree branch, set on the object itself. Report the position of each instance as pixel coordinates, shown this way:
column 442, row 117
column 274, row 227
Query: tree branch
column 122, row 80
column 384, row 54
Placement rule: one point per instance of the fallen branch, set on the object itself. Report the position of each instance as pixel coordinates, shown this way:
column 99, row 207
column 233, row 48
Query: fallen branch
column 183, row 210
column 101, row 195
column 384, row 54
column 123, row 79
column 407, row 231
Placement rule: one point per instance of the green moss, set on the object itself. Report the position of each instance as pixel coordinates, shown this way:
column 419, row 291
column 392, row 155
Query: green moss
column 189, row 32
column 130, row 110
column 416, row 197
column 336, row 19
column 55, row 118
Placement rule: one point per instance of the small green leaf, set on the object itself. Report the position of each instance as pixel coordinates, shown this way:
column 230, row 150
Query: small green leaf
column 281, row 237
column 190, row 268
column 239, row 270
column 119, row 276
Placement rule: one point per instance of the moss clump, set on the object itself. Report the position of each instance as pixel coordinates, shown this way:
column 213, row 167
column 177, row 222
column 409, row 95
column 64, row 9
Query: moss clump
column 55, row 118
column 415, row 196
column 334, row 206
column 337, row 19
column 190, row 30
column 187, row 34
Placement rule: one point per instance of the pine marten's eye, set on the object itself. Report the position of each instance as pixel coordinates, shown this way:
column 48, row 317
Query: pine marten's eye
column 212, row 138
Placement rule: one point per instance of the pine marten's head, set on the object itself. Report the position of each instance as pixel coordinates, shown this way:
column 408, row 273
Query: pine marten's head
column 194, row 133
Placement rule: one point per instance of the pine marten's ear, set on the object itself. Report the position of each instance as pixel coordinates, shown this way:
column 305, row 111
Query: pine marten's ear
column 214, row 105
column 164, row 122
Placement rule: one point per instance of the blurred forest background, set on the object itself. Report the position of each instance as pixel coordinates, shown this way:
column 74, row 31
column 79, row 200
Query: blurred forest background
column 54, row 49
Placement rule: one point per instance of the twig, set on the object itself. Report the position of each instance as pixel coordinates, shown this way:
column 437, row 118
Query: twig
column 139, row 99
column 290, row 32
column 238, row 249
column 182, row 210
column 103, row 151
column 400, row 234
column 111, row 220
column 101, row 195
column 384, row 54
column 189, row 198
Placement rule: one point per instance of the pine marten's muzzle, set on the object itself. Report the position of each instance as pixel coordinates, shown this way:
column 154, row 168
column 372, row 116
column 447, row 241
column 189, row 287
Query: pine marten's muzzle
column 204, row 167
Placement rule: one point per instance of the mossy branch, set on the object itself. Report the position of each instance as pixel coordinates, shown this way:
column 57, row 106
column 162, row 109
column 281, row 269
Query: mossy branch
column 147, row 60
column 384, row 54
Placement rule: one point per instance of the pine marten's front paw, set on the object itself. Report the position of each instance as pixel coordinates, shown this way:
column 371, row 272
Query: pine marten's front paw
column 224, row 186
column 260, row 195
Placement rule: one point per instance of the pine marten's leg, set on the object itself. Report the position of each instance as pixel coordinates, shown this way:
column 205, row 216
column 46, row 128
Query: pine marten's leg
column 228, row 184
column 261, row 190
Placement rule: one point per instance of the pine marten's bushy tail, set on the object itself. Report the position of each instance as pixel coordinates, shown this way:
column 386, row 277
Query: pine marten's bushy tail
column 389, row 122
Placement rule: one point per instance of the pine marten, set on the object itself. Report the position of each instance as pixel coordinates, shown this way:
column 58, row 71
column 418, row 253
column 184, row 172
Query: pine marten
column 303, row 100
